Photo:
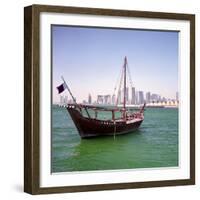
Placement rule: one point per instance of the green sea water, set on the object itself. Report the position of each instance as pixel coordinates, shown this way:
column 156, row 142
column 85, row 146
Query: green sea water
column 154, row 144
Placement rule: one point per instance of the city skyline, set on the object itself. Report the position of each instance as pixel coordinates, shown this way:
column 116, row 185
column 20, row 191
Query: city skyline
column 90, row 60
column 136, row 97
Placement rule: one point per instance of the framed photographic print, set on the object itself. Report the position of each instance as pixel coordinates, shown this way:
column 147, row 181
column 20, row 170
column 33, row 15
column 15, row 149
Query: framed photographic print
column 109, row 99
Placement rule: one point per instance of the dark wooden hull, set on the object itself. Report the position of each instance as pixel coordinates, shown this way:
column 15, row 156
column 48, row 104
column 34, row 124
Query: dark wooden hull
column 89, row 127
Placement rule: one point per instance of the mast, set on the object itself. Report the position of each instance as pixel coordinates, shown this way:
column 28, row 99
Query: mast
column 124, row 103
column 74, row 100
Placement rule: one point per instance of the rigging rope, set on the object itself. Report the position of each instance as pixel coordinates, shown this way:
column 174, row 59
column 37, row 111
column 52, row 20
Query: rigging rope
column 129, row 76
column 121, row 79
column 118, row 79
column 122, row 74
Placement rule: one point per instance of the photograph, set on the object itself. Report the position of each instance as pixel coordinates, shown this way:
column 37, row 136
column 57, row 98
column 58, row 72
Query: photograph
column 114, row 98
column 109, row 99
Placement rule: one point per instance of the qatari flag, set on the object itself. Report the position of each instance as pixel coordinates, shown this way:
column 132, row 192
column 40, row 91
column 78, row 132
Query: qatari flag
column 61, row 88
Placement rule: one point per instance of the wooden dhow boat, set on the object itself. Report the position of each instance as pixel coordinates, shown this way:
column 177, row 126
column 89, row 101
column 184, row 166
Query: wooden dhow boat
column 92, row 126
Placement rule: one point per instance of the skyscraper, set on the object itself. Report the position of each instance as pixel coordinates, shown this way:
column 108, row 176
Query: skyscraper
column 113, row 99
column 148, row 97
column 107, row 99
column 65, row 100
column 100, row 99
column 141, row 97
column 133, row 99
column 136, row 97
column 119, row 99
column 89, row 99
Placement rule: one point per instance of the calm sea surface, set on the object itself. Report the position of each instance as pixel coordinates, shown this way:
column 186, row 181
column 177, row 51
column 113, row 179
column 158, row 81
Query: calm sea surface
column 154, row 144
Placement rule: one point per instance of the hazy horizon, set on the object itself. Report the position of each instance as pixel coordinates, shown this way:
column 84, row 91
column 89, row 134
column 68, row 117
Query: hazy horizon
column 90, row 60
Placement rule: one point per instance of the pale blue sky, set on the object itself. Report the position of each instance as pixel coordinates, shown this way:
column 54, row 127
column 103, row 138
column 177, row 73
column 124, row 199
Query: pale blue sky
column 90, row 59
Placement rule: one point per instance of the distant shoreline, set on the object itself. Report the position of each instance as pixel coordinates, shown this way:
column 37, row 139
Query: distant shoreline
column 128, row 106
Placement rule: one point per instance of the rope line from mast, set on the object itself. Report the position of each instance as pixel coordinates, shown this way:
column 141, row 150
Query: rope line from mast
column 129, row 76
column 118, row 79
column 118, row 93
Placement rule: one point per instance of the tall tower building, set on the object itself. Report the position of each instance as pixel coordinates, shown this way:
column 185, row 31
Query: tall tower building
column 119, row 98
column 133, row 99
column 148, row 97
column 136, row 97
column 113, row 99
column 107, row 99
column 141, row 97
column 100, row 99
column 89, row 99
column 65, row 100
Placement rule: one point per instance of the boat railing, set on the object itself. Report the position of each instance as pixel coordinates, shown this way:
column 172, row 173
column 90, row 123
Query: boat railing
column 97, row 108
column 129, row 115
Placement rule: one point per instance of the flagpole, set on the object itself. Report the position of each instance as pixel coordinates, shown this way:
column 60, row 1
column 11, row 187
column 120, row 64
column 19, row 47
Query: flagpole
column 69, row 90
